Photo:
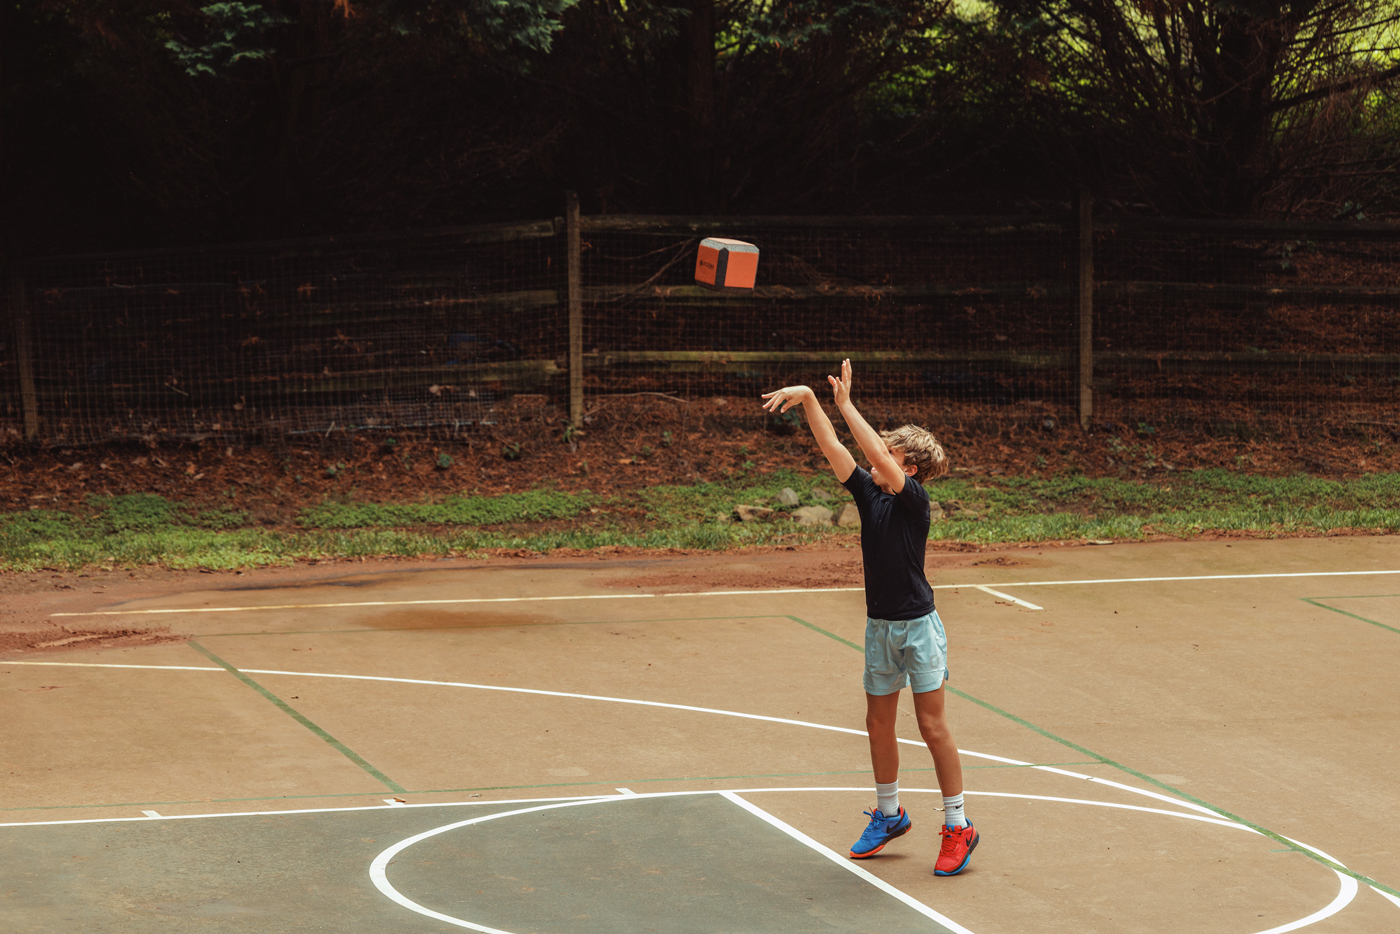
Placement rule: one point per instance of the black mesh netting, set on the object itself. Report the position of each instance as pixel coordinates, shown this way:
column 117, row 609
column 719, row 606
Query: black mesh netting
column 1226, row 328
column 424, row 331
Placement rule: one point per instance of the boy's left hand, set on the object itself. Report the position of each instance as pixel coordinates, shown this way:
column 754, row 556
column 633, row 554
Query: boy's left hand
column 783, row 399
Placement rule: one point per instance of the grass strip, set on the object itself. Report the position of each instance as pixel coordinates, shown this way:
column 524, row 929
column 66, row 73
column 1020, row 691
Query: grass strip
column 146, row 529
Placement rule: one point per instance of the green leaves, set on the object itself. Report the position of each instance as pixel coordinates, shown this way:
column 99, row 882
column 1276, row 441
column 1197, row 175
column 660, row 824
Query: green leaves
column 233, row 34
column 504, row 25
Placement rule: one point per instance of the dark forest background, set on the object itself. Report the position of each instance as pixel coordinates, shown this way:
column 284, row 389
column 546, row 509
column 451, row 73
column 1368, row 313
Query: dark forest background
column 134, row 123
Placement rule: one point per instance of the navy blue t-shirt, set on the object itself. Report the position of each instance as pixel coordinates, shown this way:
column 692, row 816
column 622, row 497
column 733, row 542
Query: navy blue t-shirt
column 893, row 534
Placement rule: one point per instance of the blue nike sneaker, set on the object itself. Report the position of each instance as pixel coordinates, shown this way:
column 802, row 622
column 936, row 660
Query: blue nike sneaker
column 882, row 830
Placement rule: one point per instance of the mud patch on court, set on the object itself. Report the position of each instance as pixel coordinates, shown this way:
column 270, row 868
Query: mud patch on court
column 763, row 573
column 456, row 619
column 59, row 639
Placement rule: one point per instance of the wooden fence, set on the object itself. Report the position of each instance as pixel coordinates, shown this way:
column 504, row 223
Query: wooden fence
column 560, row 371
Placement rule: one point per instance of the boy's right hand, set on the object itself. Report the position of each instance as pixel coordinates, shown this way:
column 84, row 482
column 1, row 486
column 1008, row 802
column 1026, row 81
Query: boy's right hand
column 783, row 399
column 841, row 388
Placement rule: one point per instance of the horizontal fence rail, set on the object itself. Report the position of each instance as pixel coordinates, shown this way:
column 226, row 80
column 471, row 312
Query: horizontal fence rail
column 1104, row 321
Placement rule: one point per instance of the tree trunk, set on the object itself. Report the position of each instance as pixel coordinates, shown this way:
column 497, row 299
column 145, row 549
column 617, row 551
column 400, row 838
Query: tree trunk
column 700, row 86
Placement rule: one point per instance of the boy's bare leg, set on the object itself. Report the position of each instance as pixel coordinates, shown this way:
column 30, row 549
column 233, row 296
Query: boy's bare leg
column 933, row 726
column 881, row 710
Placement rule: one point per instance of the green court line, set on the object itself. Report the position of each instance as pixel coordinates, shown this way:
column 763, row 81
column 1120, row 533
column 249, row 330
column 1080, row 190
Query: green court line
column 1104, row 760
column 282, row 705
column 1317, row 602
column 829, row 635
column 452, row 791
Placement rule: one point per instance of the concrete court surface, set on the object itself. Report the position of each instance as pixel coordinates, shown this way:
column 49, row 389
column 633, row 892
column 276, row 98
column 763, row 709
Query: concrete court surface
column 1273, row 700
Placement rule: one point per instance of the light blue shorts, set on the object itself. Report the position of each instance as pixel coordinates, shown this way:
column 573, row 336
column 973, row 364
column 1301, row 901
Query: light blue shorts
column 904, row 652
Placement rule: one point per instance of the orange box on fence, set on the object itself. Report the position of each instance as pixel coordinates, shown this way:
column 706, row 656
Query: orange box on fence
column 726, row 265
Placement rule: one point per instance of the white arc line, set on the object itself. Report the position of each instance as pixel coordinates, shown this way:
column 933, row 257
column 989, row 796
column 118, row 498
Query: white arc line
column 645, row 703
column 379, row 866
column 1344, row 897
column 378, row 870
column 1387, row 896
column 707, row 593
column 846, row 864
column 1008, row 597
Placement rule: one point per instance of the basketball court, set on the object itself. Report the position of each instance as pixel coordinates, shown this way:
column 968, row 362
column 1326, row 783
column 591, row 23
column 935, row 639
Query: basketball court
column 1157, row 737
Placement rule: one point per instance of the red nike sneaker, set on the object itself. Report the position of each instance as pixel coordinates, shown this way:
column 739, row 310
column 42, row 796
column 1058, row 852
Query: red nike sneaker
column 958, row 844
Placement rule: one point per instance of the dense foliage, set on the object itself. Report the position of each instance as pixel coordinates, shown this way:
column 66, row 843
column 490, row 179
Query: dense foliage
column 157, row 121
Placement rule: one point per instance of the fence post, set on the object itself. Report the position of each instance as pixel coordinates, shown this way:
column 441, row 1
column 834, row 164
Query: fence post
column 24, row 357
column 573, row 248
column 1086, row 307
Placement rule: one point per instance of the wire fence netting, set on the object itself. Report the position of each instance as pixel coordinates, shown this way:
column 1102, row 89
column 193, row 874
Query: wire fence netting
column 945, row 310
column 1236, row 329
column 404, row 332
column 1244, row 332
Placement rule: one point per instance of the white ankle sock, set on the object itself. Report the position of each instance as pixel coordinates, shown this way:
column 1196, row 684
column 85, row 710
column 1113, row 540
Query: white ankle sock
column 887, row 798
column 953, row 811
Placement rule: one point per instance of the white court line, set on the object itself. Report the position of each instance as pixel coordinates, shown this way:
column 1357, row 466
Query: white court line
column 1337, row 904
column 151, row 813
column 1349, row 885
column 379, row 876
column 645, row 703
column 378, row 870
column 1387, row 896
column 846, row 863
column 625, row 791
column 1008, row 597
column 339, row 810
column 706, row 593
column 1344, row 896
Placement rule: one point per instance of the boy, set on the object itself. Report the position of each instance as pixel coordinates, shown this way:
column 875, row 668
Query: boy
column 904, row 639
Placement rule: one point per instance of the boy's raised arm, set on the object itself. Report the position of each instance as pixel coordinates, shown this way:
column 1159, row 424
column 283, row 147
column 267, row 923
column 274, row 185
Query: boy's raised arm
column 840, row 459
column 876, row 451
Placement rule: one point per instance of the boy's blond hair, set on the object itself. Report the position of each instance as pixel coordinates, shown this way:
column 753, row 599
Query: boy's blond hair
column 920, row 449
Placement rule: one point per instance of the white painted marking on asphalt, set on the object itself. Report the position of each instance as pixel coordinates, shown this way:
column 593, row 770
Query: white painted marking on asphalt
column 1347, row 893
column 1344, row 897
column 845, row 863
column 379, row 875
column 378, row 870
column 707, row 593
column 1007, row 597
column 1387, row 896
column 646, row 703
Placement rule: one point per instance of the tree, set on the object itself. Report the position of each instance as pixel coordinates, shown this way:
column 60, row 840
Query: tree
column 273, row 118
column 1218, row 107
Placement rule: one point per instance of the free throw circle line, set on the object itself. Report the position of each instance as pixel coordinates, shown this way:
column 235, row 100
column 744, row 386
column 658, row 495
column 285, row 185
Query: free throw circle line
column 379, row 867
column 378, row 870
column 706, row 593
